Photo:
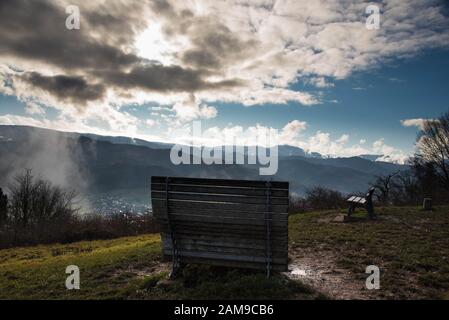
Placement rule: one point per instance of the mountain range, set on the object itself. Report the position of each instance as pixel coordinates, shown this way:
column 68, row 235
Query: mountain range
column 121, row 167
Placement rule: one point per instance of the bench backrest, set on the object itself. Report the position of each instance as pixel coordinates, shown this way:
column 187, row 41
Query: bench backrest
column 370, row 193
column 235, row 223
column 359, row 200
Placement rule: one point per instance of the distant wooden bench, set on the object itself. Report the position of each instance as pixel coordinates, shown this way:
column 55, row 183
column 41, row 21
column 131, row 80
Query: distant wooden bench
column 363, row 202
column 236, row 223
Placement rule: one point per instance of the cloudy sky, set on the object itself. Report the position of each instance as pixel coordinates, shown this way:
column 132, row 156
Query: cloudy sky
column 310, row 69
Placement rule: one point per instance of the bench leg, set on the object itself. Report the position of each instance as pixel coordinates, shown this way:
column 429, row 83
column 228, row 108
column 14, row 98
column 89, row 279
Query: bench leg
column 350, row 210
column 371, row 213
column 176, row 270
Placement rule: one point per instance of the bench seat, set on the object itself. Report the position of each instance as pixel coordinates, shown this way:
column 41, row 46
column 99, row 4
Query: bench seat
column 363, row 202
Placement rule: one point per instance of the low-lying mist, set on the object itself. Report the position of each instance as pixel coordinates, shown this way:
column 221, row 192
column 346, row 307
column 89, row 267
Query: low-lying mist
column 53, row 157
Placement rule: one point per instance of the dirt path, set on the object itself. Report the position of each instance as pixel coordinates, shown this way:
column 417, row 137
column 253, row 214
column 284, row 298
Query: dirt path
column 145, row 271
column 314, row 268
column 318, row 270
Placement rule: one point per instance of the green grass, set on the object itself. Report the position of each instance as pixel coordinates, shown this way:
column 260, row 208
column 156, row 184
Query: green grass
column 112, row 269
column 39, row 272
column 410, row 246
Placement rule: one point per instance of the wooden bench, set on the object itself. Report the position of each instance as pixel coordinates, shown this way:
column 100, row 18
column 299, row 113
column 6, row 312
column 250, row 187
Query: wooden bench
column 235, row 223
column 363, row 202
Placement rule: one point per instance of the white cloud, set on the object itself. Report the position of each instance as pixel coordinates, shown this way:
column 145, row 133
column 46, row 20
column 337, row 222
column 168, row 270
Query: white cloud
column 275, row 43
column 396, row 80
column 343, row 139
column 320, row 82
column 191, row 109
column 151, row 122
column 34, row 109
column 419, row 123
column 260, row 95
column 323, row 143
column 390, row 154
column 71, row 125
column 21, row 121
column 291, row 131
column 5, row 87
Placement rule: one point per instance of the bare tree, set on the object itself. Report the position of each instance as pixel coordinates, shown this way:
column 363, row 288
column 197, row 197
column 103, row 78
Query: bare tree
column 385, row 184
column 427, row 177
column 34, row 201
column 433, row 146
column 39, row 212
column 320, row 198
column 3, row 208
column 405, row 189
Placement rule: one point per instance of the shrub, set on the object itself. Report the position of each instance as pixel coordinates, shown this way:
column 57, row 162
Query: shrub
column 317, row 198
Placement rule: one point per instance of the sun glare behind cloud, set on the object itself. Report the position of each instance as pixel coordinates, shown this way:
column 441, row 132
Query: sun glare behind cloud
column 152, row 45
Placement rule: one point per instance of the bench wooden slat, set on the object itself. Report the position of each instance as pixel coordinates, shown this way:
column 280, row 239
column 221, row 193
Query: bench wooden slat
column 227, row 241
column 217, row 198
column 221, row 182
column 225, row 220
column 223, row 228
column 258, row 249
column 175, row 204
column 232, row 234
column 161, row 213
column 230, row 263
column 225, row 256
column 242, row 232
column 225, row 190
column 258, row 254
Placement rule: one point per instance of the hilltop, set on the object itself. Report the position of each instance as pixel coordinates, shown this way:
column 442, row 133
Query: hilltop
column 410, row 247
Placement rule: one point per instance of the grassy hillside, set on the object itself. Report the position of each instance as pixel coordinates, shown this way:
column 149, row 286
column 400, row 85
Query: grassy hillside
column 410, row 246
column 128, row 268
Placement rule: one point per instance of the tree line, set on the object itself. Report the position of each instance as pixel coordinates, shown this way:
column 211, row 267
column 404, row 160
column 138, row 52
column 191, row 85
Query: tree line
column 36, row 211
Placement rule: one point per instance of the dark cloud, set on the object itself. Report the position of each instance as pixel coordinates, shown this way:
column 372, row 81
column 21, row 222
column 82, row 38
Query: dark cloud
column 160, row 78
column 163, row 7
column 72, row 89
column 215, row 47
column 118, row 22
column 201, row 58
column 35, row 31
